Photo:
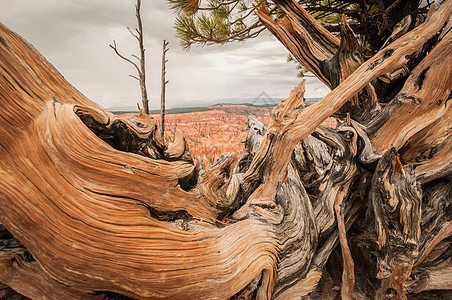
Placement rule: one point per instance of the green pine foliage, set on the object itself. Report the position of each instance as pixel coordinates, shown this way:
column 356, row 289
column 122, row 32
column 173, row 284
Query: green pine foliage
column 214, row 21
column 301, row 70
column 184, row 6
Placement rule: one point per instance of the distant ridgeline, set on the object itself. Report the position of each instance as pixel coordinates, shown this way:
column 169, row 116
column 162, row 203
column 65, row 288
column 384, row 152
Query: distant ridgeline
column 223, row 106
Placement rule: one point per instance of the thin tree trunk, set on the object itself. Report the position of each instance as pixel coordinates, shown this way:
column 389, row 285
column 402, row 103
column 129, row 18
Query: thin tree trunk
column 141, row 69
column 142, row 74
column 163, row 94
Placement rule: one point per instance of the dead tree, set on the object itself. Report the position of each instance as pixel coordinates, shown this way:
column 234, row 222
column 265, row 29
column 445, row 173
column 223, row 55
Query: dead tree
column 141, row 69
column 163, row 94
column 92, row 205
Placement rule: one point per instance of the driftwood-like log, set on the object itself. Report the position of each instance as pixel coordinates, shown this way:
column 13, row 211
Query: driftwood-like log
column 95, row 206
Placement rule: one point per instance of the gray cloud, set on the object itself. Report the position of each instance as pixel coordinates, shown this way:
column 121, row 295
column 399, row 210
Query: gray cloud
column 74, row 35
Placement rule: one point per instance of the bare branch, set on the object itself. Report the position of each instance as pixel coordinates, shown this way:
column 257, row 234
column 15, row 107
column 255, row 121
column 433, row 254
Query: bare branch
column 134, row 77
column 134, row 35
column 123, row 57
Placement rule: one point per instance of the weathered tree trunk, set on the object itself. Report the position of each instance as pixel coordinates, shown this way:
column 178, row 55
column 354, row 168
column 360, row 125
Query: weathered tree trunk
column 92, row 205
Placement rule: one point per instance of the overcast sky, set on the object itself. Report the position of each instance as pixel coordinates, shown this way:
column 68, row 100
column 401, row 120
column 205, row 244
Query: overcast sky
column 74, row 36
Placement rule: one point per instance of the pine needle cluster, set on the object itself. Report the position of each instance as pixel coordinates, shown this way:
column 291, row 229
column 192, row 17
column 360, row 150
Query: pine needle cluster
column 214, row 21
